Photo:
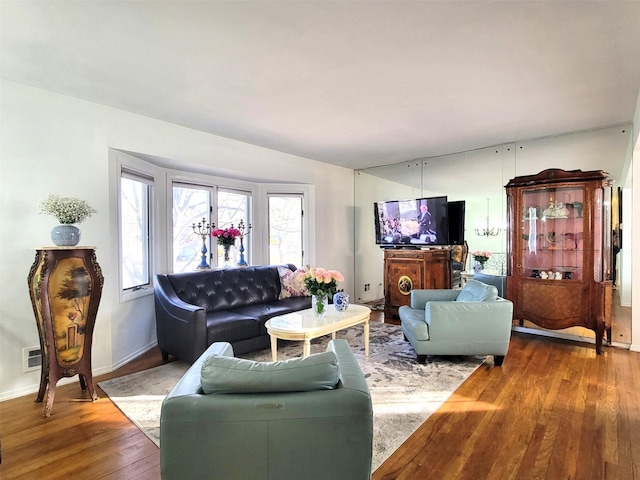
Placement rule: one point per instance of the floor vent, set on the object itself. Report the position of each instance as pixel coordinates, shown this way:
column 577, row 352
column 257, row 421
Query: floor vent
column 31, row 359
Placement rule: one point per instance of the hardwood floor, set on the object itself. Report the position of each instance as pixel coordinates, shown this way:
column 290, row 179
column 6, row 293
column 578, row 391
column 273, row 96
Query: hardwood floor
column 553, row 410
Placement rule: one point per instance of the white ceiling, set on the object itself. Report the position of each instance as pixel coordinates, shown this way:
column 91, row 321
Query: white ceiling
column 356, row 84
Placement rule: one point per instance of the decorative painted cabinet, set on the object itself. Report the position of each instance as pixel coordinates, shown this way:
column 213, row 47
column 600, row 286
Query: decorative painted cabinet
column 65, row 284
column 559, row 250
column 405, row 270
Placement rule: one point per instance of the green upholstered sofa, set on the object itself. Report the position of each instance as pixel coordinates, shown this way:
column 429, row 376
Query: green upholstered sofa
column 470, row 321
column 324, row 433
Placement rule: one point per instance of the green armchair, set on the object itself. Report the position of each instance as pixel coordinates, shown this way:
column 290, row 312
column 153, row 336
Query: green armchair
column 269, row 420
column 471, row 321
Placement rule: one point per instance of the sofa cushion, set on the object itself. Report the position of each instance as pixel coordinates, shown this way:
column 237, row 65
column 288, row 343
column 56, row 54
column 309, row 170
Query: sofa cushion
column 226, row 289
column 231, row 326
column 292, row 283
column 475, row 291
column 269, row 310
column 237, row 375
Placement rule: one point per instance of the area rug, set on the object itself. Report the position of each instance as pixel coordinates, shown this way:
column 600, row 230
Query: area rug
column 404, row 393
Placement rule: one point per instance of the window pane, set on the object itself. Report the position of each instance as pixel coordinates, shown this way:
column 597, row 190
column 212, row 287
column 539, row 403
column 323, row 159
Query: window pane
column 285, row 230
column 232, row 208
column 134, row 232
column 190, row 206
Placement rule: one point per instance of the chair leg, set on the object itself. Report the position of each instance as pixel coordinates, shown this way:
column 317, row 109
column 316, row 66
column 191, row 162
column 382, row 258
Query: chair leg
column 422, row 359
column 497, row 360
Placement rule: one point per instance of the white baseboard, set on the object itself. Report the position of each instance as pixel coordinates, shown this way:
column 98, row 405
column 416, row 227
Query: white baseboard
column 567, row 336
column 130, row 357
column 33, row 388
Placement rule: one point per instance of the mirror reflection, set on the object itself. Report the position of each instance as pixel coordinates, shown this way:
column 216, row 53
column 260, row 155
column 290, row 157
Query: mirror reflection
column 477, row 179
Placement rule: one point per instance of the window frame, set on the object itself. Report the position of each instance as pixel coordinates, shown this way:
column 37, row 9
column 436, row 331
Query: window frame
column 216, row 184
column 307, row 192
column 161, row 213
column 211, row 190
column 132, row 170
column 247, row 241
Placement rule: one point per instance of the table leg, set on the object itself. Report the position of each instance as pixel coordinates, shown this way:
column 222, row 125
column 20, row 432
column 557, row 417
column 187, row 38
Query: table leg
column 274, row 348
column 366, row 338
column 306, row 348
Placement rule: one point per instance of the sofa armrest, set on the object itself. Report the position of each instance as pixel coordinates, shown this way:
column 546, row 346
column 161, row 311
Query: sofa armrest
column 479, row 321
column 351, row 376
column 181, row 327
column 420, row 297
column 189, row 384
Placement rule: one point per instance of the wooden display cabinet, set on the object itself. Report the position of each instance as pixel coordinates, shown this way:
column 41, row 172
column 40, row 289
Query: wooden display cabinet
column 405, row 270
column 65, row 285
column 559, row 250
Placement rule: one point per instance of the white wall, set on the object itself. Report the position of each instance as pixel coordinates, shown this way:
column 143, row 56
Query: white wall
column 57, row 144
column 635, row 243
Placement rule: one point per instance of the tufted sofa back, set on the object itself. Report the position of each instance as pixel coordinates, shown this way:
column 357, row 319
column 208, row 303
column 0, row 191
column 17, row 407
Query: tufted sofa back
column 227, row 289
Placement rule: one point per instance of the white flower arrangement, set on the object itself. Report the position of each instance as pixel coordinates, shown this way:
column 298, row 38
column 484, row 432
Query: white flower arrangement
column 67, row 209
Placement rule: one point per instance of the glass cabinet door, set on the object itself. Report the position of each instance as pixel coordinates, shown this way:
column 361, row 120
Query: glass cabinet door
column 552, row 226
column 602, row 259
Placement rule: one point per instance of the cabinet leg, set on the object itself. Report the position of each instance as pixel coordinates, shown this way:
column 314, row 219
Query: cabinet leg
column 599, row 335
column 86, row 382
column 50, row 396
column 44, row 379
column 497, row 360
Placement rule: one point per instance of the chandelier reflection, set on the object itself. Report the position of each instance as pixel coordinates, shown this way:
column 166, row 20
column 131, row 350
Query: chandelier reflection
column 488, row 230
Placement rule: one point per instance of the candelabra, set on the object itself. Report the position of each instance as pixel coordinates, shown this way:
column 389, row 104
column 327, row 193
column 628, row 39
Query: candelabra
column 243, row 233
column 204, row 230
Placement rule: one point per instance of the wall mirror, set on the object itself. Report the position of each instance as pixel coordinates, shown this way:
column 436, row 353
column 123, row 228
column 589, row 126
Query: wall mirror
column 478, row 177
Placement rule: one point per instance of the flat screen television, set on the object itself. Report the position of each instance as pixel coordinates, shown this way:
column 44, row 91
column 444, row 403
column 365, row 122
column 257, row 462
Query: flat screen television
column 423, row 221
column 456, row 222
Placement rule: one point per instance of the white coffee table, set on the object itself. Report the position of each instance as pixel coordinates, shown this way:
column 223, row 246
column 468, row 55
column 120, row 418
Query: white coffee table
column 305, row 326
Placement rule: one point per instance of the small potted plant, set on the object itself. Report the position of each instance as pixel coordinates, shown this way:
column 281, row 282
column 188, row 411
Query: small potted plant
column 68, row 210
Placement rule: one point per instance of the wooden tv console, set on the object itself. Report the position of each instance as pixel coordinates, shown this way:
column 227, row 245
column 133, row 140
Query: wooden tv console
column 406, row 269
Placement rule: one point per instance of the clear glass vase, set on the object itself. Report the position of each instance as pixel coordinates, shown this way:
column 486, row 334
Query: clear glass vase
column 319, row 305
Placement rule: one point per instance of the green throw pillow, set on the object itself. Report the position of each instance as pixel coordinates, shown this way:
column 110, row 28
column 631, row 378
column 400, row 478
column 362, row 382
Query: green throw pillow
column 237, row 375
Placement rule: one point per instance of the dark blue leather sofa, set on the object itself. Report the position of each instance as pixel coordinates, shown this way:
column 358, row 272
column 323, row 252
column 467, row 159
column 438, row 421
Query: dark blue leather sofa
column 196, row 309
